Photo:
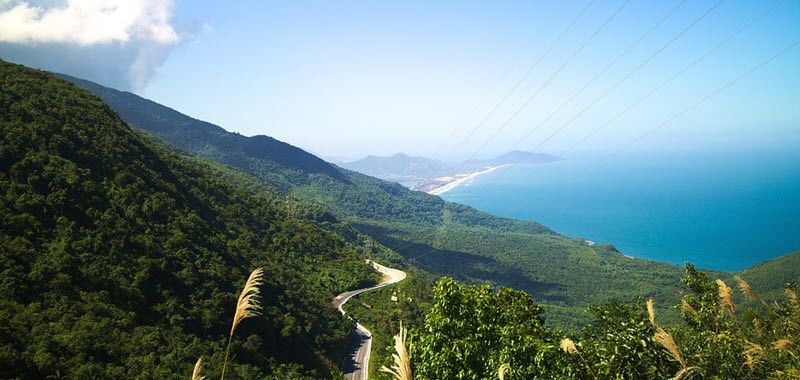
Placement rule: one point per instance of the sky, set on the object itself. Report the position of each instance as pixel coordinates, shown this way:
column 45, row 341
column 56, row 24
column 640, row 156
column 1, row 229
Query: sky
column 444, row 79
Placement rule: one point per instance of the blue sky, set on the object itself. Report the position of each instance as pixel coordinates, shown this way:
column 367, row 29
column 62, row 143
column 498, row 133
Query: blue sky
column 347, row 79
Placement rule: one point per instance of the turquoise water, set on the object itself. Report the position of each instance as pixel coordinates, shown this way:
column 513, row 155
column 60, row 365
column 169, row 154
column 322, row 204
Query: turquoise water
column 723, row 211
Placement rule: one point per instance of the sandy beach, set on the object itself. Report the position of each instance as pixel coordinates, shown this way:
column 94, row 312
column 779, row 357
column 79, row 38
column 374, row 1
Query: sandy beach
column 461, row 179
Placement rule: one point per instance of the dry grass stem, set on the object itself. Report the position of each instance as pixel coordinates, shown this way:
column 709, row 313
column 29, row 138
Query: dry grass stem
column 683, row 372
column 651, row 311
column 725, row 294
column 568, row 346
column 748, row 292
column 197, row 368
column 401, row 370
column 757, row 326
column 665, row 340
column 753, row 355
column 784, row 344
column 792, row 297
column 501, row 372
column 688, row 308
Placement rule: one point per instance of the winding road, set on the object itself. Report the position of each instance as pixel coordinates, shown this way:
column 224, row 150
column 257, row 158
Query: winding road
column 355, row 365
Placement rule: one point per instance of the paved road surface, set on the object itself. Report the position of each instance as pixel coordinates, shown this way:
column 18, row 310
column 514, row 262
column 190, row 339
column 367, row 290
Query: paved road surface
column 356, row 364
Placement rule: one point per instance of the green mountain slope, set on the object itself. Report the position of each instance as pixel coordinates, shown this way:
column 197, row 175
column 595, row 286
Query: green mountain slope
column 770, row 277
column 119, row 259
column 441, row 237
column 399, row 167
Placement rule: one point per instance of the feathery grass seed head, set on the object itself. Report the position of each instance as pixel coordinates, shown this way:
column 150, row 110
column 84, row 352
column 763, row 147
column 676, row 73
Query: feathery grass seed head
column 501, row 372
column 401, row 370
column 197, row 368
column 665, row 340
column 651, row 311
column 748, row 292
column 568, row 346
column 753, row 355
column 757, row 326
column 248, row 304
column 792, row 297
column 784, row 344
column 725, row 294
column 688, row 308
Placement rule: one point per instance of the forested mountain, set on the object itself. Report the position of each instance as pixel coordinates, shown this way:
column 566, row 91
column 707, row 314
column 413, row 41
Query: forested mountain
column 773, row 275
column 441, row 237
column 122, row 259
column 119, row 259
column 404, row 168
column 398, row 168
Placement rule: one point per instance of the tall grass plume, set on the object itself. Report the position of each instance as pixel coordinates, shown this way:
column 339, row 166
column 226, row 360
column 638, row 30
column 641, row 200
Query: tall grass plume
column 568, row 346
column 726, row 295
column 687, row 307
column 748, row 292
column 501, row 372
column 247, row 306
column 197, row 368
column 651, row 311
column 401, row 370
column 665, row 340
column 784, row 344
column 753, row 355
column 790, row 293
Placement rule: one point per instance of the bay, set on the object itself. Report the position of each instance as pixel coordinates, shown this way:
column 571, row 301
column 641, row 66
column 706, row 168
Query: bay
column 718, row 210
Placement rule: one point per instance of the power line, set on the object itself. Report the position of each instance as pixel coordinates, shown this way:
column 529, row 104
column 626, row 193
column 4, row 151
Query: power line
column 527, row 154
column 502, row 77
column 499, row 80
column 599, row 74
column 667, row 81
column 530, row 132
column 679, row 114
column 663, row 84
column 687, row 109
column 518, row 83
column 536, row 93
column 682, row 112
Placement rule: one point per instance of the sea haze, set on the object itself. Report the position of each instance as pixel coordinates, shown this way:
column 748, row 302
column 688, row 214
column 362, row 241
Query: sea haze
column 723, row 211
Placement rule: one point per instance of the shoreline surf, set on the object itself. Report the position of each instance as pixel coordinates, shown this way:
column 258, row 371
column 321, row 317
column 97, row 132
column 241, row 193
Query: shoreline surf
column 461, row 180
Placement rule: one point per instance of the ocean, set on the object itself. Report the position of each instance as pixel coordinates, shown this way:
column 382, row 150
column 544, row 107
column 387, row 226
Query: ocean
column 724, row 211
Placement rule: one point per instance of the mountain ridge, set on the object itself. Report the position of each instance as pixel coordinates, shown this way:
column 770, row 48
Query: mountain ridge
column 413, row 171
column 194, row 132
column 447, row 239
column 121, row 259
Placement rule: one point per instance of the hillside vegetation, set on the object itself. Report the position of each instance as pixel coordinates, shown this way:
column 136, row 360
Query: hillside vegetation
column 440, row 237
column 473, row 332
column 119, row 259
column 773, row 275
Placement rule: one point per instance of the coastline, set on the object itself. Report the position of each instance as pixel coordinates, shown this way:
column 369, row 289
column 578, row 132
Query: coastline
column 457, row 182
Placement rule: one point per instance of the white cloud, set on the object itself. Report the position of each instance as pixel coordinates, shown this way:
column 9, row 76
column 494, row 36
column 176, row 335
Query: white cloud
column 88, row 22
column 119, row 43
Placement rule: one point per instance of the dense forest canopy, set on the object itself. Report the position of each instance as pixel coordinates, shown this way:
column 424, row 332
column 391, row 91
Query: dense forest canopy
column 439, row 237
column 120, row 257
column 122, row 260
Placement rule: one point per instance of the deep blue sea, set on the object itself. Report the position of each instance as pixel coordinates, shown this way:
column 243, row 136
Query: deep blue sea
column 723, row 211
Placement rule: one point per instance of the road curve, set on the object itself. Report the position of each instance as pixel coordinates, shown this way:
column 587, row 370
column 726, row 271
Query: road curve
column 355, row 365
